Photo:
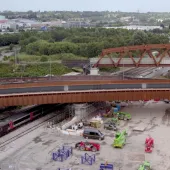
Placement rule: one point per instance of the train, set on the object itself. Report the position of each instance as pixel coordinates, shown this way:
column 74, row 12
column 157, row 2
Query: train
column 9, row 121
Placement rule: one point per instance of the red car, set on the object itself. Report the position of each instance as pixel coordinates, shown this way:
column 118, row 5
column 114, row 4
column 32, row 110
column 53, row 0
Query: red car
column 87, row 146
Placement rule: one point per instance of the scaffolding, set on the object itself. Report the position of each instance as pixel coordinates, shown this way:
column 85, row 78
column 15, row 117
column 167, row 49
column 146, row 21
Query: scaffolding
column 71, row 110
column 84, row 110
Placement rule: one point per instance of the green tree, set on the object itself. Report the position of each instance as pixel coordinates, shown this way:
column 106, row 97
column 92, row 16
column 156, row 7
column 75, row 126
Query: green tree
column 11, row 46
column 139, row 38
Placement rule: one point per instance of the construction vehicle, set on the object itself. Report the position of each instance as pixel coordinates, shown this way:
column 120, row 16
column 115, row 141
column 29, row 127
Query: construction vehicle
column 95, row 123
column 92, row 123
column 115, row 121
column 108, row 114
column 120, row 139
column 149, row 141
column 124, row 116
column 149, row 144
column 87, row 146
column 110, row 126
column 145, row 166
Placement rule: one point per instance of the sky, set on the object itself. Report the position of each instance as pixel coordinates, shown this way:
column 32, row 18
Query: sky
column 86, row 5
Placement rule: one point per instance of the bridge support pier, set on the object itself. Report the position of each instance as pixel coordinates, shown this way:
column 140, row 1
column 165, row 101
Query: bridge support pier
column 83, row 110
column 94, row 71
column 80, row 111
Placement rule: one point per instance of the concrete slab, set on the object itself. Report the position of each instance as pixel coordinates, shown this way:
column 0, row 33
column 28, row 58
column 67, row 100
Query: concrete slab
column 140, row 128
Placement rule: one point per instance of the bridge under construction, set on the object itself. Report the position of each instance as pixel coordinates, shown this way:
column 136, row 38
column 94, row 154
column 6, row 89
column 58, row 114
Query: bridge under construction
column 94, row 88
column 79, row 91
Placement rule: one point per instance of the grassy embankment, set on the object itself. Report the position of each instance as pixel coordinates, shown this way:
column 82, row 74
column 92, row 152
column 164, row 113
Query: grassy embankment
column 32, row 65
column 22, row 57
column 31, row 70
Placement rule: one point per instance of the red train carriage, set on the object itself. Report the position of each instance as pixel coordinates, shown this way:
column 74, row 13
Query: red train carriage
column 8, row 122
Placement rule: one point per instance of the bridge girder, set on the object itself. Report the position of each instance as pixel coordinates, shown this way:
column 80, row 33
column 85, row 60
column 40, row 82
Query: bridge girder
column 83, row 97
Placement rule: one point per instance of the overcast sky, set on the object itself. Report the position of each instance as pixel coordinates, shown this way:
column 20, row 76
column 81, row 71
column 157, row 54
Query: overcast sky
column 86, row 5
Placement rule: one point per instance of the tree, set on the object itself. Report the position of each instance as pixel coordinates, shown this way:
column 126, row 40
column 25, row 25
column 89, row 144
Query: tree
column 11, row 46
column 139, row 38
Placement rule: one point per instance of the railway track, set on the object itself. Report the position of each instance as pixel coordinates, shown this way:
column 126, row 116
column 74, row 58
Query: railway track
column 30, row 129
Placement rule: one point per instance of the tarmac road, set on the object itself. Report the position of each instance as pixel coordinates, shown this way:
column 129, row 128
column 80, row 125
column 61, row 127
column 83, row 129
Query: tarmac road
column 82, row 88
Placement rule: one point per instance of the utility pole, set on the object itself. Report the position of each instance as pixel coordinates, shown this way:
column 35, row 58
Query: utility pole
column 50, row 68
column 15, row 57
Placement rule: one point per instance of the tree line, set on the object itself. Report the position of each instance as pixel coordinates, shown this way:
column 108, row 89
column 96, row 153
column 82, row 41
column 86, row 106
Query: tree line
column 87, row 42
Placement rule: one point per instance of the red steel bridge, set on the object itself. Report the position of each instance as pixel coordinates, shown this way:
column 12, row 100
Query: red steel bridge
column 153, row 55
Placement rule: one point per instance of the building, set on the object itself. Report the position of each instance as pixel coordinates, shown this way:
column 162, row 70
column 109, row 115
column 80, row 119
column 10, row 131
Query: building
column 25, row 23
column 7, row 24
column 137, row 27
column 54, row 23
column 2, row 17
column 76, row 24
column 126, row 19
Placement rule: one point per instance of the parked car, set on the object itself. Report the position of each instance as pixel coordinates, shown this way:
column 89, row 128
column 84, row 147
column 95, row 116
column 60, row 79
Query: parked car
column 87, row 146
column 110, row 126
column 167, row 101
column 92, row 133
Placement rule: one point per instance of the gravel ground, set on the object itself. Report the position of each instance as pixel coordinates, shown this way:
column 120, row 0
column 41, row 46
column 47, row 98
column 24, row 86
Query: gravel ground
column 34, row 151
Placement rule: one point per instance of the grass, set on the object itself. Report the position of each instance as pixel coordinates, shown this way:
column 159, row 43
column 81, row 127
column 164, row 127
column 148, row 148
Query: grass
column 5, row 69
column 7, row 48
column 77, row 69
column 111, row 69
column 32, row 70
column 4, row 49
column 23, row 57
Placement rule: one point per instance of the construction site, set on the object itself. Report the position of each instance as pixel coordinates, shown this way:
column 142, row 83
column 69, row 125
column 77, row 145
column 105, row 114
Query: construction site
column 52, row 146
column 114, row 122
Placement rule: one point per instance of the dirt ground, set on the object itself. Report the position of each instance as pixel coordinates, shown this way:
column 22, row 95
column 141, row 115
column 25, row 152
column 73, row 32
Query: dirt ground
column 34, row 151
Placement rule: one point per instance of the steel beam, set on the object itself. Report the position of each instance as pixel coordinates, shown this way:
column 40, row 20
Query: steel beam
column 81, row 97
